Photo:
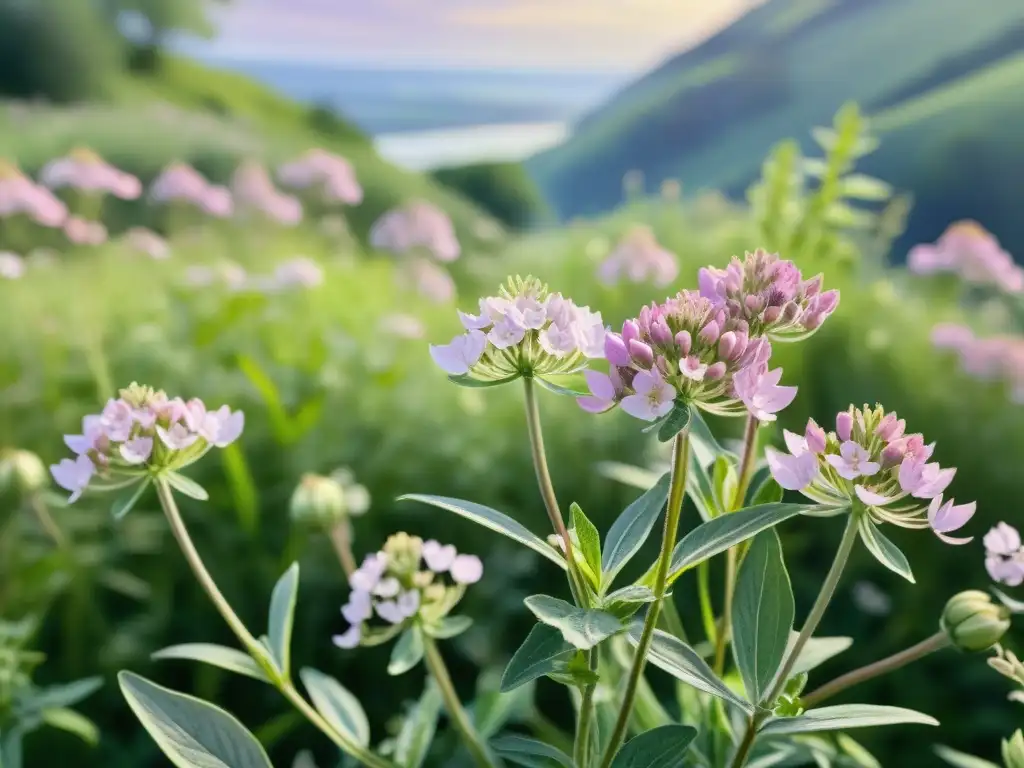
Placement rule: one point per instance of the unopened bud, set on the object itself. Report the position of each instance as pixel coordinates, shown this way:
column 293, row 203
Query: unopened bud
column 973, row 622
column 1013, row 751
column 615, row 350
column 772, row 314
column 726, row 345
column 710, row 332
column 684, row 342
column 318, row 500
column 715, row 371
column 660, row 333
column 844, row 425
column 21, row 471
column 404, row 553
column 641, row 353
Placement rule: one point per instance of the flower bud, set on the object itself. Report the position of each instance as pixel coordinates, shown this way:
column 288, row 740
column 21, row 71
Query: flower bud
column 318, row 500
column 772, row 314
column 815, row 437
column 973, row 622
column 684, row 342
column 844, row 425
column 404, row 553
column 660, row 333
column 709, row 333
column 891, row 427
column 615, row 350
column 641, row 353
column 726, row 345
column 630, row 331
column 715, row 371
column 21, row 471
column 1013, row 751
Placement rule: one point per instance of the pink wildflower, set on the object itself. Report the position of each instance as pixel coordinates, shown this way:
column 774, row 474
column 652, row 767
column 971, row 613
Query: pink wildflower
column 416, row 226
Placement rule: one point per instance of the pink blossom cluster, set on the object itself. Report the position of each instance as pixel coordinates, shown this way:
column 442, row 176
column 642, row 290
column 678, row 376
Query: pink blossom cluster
column 20, row 195
column 254, row 192
column 1004, row 555
column 332, row 176
column 147, row 242
column 430, row 280
column 871, row 460
column 80, row 231
column 141, row 433
column 687, row 349
column 969, row 251
column 391, row 585
column 12, row 266
column 769, row 294
column 989, row 359
column 416, row 226
column 85, row 171
column 639, row 258
column 524, row 330
column 182, row 183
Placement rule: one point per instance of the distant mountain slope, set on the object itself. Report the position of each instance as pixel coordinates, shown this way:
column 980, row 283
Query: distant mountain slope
column 709, row 115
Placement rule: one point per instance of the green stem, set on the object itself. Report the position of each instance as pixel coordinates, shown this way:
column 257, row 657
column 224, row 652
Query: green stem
column 581, row 748
column 340, row 534
column 707, row 611
column 250, row 643
column 732, row 556
column 825, row 594
column 46, row 520
column 547, row 488
column 435, row 663
column 929, row 645
column 676, row 492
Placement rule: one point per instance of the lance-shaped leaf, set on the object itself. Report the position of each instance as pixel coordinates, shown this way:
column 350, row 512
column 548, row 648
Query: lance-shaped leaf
column 472, row 383
column 539, row 655
column 676, row 421
column 339, row 707
column 185, row 485
column 580, row 627
column 662, row 747
column 407, row 653
column 189, row 731
column 589, row 541
column 631, row 529
column 961, row 759
column 282, row 617
column 672, row 655
column 762, row 615
column 230, row 659
column 528, row 752
column 887, row 553
column 843, row 717
column 418, row 728
column 493, row 519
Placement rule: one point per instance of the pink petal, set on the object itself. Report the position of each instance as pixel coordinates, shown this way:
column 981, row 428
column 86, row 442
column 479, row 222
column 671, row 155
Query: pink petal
column 600, row 385
column 871, row 498
column 638, row 406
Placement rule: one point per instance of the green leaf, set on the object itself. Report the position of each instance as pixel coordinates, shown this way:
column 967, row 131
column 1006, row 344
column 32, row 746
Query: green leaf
column 762, row 615
column 672, row 655
column 126, row 501
column 242, row 485
column 185, row 485
column 407, row 653
column 418, row 729
column 887, row 553
column 627, row 474
column 469, row 381
column 558, row 389
column 58, row 696
column 675, row 422
column 529, row 752
column 701, row 489
column 581, row 627
column 339, row 707
column 536, row 657
column 1015, row 606
column 724, row 482
column 491, row 518
column 961, row 759
column 449, row 627
column 663, row 747
column 282, row 617
column 72, row 722
column 11, row 748
column 189, row 731
column 589, row 540
column 843, row 717
column 631, row 529
column 574, row 672
column 716, row 536
column 861, row 187
column 373, row 636
column 704, row 441
column 860, row 756
column 491, row 710
column 217, row 655
column 623, row 603
column 817, row 651
column 767, row 491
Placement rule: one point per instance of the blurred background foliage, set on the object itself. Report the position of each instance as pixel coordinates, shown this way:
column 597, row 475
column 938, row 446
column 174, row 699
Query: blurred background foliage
column 325, row 384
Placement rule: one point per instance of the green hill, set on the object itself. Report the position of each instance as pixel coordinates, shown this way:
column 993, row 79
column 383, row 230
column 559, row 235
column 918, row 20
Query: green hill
column 932, row 71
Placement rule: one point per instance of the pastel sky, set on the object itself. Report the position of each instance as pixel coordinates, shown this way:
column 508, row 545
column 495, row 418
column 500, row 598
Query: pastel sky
column 570, row 34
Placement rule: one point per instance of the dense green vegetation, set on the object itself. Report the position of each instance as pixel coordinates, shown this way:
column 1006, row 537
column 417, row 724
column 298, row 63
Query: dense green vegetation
column 502, row 189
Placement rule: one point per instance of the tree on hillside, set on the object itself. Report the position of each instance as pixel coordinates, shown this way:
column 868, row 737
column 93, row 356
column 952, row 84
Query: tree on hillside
column 147, row 24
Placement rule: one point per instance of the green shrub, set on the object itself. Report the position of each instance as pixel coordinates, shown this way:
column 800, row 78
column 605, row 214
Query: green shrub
column 504, row 190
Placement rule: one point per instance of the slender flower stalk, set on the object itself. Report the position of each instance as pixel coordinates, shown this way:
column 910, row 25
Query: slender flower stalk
column 828, row 589
column 677, row 490
column 581, row 747
column 732, row 556
column 456, row 713
column 930, row 645
column 340, row 535
column 42, row 513
column 250, row 643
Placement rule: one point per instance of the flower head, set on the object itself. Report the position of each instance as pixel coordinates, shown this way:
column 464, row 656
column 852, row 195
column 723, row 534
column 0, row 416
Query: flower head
column 868, row 461
column 416, row 226
column 20, row 195
column 974, row 622
column 84, row 170
column 523, row 331
column 140, row 434
column 254, row 192
column 332, row 176
column 328, row 500
column 83, row 232
column 971, row 252
column 639, row 259
column 408, row 581
column 770, row 295
column 147, row 242
column 1004, row 555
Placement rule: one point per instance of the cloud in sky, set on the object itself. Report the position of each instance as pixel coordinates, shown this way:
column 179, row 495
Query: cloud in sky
column 585, row 34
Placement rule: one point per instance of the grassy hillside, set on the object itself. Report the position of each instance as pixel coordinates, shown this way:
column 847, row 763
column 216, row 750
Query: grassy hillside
column 709, row 115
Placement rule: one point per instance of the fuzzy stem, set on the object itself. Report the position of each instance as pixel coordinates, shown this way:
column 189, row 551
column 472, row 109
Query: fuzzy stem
column 676, row 492
column 340, row 535
column 435, row 663
column 245, row 637
column 828, row 589
column 929, row 645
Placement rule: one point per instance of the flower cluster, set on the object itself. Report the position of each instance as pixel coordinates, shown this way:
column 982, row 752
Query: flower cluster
column 391, row 584
column 770, row 295
column 639, row 259
column 148, row 242
column 871, row 460
column 254, row 192
column 20, row 195
column 81, row 231
column 326, row 500
column 12, row 266
column 1004, row 555
column 524, row 331
column 142, row 432
column 85, row 171
column 182, row 183
column 993, row 358
column 690, row 350
column 331, row 175
column 416, row 226
column 968, row 250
